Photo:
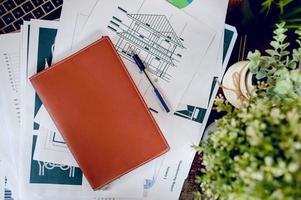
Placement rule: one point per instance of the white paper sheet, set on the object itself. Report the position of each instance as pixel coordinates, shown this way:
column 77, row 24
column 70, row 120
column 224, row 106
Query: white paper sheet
column 73, row 17
column 169, row 171
column 65, row 181
column 214, row 13
column 10, row 108
column 10, row 84
column 194, row 93
column 9, row 175
column 225, row 64
column 2, row 149
column 211, row 11
column 126, row 23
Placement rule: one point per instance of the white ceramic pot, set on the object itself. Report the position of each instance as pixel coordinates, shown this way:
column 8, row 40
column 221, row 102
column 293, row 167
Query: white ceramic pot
column 237, row 83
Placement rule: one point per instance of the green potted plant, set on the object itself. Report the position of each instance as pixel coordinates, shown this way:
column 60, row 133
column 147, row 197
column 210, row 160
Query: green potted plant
column 284, row 10
column 255, row 151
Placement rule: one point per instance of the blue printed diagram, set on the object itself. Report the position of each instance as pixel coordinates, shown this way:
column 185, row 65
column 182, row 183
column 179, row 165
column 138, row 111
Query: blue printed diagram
column 150, row 36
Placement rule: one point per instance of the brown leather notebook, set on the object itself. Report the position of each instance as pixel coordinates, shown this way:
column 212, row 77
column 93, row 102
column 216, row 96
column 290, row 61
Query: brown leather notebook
column 100, row 113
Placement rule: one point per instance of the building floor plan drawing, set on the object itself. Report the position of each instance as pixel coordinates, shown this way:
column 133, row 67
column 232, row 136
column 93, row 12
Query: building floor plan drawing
column 169, row 42
column 152, row 37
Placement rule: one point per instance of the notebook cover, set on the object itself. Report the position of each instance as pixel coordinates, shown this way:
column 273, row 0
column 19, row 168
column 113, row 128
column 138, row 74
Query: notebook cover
column 100, row 113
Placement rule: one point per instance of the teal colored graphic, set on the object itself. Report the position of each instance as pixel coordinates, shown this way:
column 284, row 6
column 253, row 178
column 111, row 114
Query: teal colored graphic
column 195, row 113
column 49, row 173
column 180, row 3
column 227, row 41
column 43, row 172
column 46, row 41
column 212, row 88
column 192, row 113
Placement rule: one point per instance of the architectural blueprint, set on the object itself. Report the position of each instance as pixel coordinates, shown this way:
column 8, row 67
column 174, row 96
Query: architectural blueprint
column 150, row 36
column 169, row 42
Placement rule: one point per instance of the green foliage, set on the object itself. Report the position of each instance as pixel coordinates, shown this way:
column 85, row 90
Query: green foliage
column 289, row 11
column 280, row 68
column 255, row 152
column 281, row 4
column 266, row 5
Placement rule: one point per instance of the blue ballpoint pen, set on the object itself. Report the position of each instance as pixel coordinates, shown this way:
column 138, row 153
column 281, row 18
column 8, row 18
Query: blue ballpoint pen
column 142, row 68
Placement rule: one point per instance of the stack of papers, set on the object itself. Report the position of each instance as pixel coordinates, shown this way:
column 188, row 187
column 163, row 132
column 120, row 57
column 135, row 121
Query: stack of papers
column 185, row 51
